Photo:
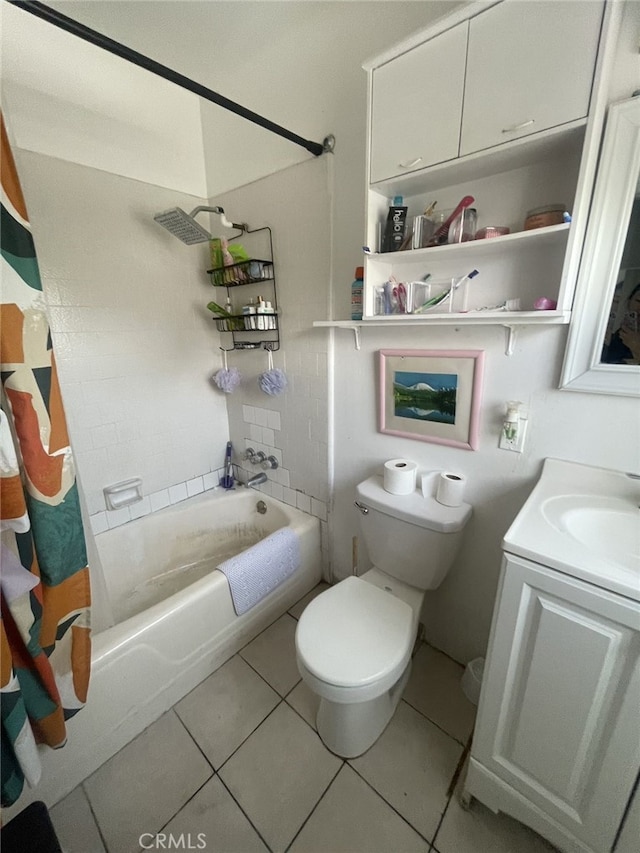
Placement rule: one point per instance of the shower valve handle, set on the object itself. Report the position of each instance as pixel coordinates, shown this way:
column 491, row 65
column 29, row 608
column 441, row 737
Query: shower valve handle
column 259, row 458
column 270, row 462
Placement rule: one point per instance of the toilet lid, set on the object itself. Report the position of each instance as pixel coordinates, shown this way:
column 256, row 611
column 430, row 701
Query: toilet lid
column 354, row 634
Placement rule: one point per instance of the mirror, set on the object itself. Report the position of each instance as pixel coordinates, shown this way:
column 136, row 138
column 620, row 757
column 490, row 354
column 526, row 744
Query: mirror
column 603, row 349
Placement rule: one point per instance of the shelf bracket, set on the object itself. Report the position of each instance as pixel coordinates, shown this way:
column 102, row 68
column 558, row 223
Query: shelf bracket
column 356, row 336
column 511, row 339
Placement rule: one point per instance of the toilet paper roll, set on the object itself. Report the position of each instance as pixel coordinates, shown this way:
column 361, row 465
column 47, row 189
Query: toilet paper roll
column 450, row 489
column 400, row 476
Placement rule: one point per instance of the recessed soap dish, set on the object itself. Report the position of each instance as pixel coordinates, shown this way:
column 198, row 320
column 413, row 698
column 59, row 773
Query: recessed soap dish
column 123, row 494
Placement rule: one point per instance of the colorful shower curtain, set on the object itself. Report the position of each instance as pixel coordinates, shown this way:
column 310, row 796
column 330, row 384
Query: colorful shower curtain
column 45, row 645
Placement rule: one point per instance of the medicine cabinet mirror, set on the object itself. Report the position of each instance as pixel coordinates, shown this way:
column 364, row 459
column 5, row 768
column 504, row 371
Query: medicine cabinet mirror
column 603, row 350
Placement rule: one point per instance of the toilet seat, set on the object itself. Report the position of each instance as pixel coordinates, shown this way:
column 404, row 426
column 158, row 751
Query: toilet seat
column 355, row 635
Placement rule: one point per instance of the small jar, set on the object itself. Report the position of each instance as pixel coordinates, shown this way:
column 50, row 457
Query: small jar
column 543, row 217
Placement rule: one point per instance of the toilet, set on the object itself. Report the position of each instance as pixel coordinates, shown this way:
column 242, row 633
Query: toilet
column 354, row 641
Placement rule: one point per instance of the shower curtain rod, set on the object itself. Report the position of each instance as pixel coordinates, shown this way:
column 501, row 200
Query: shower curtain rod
column 46, row 13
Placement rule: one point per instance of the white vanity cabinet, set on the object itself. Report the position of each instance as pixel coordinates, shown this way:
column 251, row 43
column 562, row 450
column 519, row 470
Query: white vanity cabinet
column 530, row 67
column 557, row 740
column 417, row 106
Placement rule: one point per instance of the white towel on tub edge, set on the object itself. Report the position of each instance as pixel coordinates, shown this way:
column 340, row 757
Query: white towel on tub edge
column 254, row 573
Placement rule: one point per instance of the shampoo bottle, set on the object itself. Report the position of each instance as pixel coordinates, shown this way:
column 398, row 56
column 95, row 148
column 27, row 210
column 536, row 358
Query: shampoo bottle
column 394, row 229
column 260, row 311
column 356, row 294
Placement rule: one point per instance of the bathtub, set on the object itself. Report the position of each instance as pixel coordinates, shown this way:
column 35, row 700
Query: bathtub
column 175, row 619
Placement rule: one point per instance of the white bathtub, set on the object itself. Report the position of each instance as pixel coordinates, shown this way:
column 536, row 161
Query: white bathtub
column 177, row 619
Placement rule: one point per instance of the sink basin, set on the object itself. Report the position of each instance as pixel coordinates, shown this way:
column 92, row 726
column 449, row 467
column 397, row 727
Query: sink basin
column 608, row 525
column 583, row 521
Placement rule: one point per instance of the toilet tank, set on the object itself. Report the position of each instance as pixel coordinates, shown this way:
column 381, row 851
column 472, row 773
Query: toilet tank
column 410, row 537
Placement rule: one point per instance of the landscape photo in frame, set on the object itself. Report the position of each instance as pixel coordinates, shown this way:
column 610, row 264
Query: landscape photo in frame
column 431, row 395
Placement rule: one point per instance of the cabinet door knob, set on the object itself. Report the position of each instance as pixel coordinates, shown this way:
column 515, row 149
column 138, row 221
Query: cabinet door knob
column 410, row 164
column 516, row 127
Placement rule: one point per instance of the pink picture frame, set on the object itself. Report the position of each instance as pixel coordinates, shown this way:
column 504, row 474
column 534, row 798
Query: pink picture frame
column 431, row 395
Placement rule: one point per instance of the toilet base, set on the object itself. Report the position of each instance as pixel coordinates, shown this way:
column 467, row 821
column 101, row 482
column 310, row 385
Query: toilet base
column 348, row 730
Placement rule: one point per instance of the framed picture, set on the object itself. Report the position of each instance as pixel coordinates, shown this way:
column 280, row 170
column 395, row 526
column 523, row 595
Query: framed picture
column 431, row 395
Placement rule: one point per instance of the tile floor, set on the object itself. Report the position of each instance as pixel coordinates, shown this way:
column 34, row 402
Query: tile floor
column 237, row 767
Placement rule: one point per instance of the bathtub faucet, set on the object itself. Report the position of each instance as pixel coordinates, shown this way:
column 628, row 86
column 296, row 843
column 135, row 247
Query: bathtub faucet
column 256, row 480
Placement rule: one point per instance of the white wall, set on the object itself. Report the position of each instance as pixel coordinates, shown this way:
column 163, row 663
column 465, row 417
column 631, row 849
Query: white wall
column 579, row 427
column 134, row 343
column 592, row 429
column 69, row 99
column 297, row 63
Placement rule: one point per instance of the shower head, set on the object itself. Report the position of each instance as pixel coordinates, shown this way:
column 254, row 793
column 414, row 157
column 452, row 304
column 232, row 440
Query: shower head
column 184, row 226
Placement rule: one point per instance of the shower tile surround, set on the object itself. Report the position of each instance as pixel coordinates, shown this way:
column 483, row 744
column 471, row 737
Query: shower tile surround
column 259, row 436
column 136, row 347
column 248, row 770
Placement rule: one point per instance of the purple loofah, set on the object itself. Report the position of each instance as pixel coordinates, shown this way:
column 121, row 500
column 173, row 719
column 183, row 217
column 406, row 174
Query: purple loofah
column 273, row 381
column 227, row 379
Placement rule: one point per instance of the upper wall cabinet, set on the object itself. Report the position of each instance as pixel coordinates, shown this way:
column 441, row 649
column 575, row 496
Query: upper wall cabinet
column 529, row 67
column 417, row 106
column 501, row 101
column 512, row 70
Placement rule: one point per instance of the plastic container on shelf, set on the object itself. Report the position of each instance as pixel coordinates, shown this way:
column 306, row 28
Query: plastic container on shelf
column 434, row 297
column 356, row 294
column 463, row 227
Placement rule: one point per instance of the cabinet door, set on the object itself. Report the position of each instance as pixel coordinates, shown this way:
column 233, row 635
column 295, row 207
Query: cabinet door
column 558, row 717
column 530, row 67
column 417, row 105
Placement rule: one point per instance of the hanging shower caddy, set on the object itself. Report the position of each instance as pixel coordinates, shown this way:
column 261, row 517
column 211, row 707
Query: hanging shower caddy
column 250, row 330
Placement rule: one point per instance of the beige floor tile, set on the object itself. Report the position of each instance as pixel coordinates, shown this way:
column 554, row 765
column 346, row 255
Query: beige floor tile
column 411, row 766
column 75, row 825
column 222, row 711
column 213, row 818
column 434, row 689
column 273, row 654
column 305, row 702
column 296, row 610
column 352, row 818
column 145, row 784
column 481, row 829
column 279, row 774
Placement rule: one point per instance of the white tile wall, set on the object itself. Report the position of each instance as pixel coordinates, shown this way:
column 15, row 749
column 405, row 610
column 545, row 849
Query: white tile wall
column 134, row 342
column 136, row 347
column 293, row 427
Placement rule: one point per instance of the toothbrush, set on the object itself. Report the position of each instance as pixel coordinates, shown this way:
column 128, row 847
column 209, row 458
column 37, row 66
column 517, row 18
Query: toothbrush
column 442, row 297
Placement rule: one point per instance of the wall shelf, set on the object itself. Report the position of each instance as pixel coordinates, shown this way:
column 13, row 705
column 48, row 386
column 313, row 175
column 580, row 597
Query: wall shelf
column 509, row 319
column 539, row 238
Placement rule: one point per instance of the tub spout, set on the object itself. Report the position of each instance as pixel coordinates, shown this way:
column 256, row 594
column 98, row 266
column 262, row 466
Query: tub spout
column 256, row 480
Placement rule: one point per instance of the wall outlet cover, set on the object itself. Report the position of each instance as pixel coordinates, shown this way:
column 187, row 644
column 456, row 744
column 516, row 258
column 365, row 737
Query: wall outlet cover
column 516, row 445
